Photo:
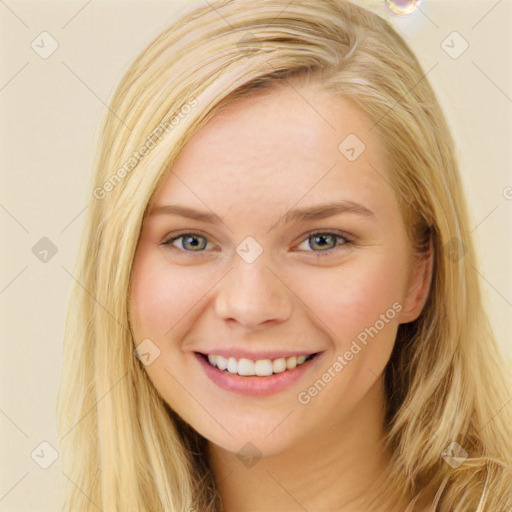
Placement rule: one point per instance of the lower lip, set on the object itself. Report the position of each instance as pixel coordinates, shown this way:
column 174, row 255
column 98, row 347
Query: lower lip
column 254, row 385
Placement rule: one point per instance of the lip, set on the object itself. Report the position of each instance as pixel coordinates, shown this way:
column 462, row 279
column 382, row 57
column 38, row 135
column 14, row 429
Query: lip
column 257, row 386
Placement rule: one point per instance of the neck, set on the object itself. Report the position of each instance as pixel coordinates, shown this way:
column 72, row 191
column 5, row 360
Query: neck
column 339, row 468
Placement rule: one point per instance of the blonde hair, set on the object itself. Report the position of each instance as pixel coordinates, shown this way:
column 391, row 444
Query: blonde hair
column 124, row 449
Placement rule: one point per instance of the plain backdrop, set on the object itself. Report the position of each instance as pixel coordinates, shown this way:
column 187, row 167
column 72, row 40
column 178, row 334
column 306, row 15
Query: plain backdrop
column 50, row 113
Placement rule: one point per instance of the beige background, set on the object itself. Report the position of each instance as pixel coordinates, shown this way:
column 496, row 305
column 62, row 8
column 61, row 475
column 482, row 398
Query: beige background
column 50, row 112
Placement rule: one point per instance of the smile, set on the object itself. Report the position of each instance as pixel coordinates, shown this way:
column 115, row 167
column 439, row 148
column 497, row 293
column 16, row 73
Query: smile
column 261, row 367
column 259, row 378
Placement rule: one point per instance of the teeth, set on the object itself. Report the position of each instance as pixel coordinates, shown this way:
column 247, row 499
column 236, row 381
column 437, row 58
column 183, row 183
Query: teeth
column 291, row 363
column 261, row 367
column 279, row 365
column 232, row 365
column 222, row 362
column 246, row 367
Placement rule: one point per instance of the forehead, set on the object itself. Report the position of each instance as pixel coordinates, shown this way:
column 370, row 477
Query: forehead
column 269, row 151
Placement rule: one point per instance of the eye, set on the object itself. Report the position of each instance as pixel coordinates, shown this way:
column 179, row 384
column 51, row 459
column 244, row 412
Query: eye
column 326, row 241
column 195, row 241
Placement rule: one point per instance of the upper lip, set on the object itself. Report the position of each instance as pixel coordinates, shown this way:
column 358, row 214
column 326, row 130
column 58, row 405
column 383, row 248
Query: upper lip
column 239, row 353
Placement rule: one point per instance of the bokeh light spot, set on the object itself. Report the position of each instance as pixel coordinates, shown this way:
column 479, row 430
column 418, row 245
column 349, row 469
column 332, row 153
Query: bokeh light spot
column 402, row 6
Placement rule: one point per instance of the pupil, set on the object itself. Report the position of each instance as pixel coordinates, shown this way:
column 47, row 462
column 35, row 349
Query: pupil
column 321, row 238
column 192, row 240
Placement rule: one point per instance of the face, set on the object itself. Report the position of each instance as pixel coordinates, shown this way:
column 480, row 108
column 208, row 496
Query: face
column 261, row 281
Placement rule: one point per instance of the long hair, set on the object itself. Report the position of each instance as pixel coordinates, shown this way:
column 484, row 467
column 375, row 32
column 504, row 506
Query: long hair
column 448, row 424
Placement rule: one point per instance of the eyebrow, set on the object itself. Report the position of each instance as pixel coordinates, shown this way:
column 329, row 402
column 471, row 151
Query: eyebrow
column 316, row 212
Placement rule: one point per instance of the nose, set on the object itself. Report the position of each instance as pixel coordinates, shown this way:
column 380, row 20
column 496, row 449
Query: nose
column 252, row 295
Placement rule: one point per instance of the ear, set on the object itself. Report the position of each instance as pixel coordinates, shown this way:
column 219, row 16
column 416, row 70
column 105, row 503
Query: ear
column 418, row 287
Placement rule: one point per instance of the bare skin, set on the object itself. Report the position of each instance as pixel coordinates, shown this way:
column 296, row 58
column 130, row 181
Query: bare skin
column 250, row 165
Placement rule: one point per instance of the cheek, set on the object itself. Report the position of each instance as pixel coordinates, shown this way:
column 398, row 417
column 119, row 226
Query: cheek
column 161, row 295
column 359, row 303
column 352, row 298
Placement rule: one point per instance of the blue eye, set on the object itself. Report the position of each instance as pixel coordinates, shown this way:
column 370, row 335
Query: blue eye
column 326, row 241
column 189, row 238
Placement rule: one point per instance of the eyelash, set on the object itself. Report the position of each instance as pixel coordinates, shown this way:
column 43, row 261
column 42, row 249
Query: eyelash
column 326, row 252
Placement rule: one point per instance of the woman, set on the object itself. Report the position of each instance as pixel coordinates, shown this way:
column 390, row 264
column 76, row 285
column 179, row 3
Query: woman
column 219, row 355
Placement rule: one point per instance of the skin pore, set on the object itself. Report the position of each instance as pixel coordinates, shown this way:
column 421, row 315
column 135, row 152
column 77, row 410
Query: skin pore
column 250, row 165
